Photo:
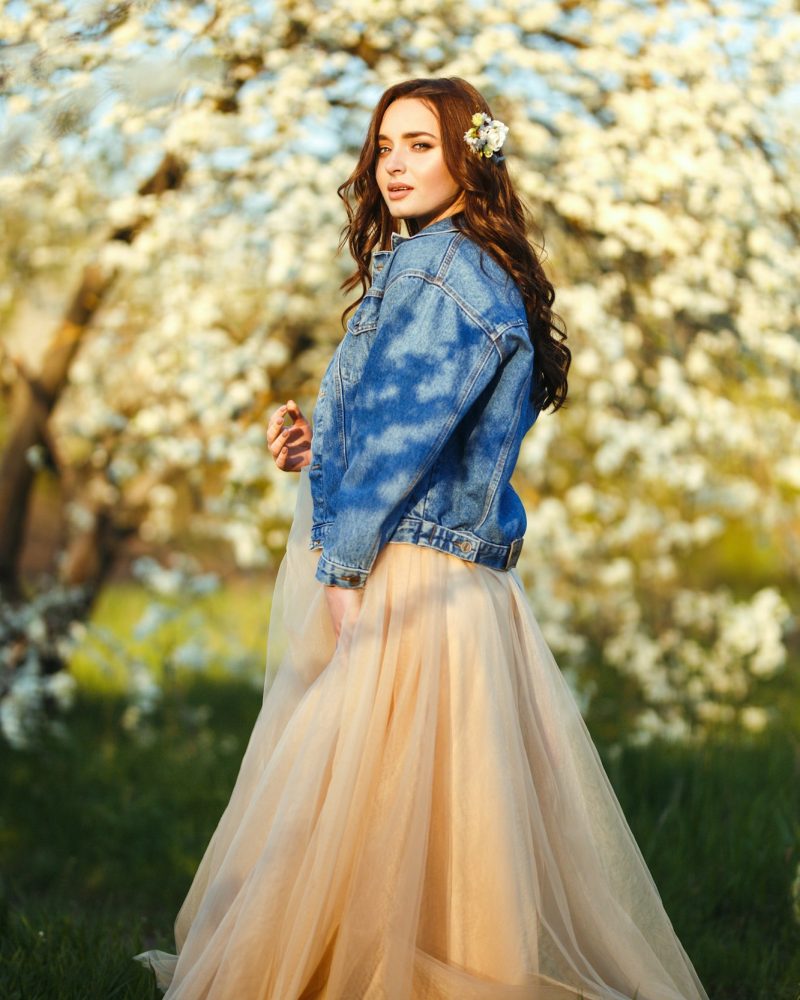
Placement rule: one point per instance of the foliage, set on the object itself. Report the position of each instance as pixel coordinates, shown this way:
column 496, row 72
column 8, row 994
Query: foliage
column 657, row 144
column 35, row 639
column 142, row 642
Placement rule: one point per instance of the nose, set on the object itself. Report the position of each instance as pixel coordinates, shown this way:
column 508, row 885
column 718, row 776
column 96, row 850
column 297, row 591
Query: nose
column 394, row 162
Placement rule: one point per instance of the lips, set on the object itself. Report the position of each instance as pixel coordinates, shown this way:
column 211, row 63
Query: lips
column 397, row 191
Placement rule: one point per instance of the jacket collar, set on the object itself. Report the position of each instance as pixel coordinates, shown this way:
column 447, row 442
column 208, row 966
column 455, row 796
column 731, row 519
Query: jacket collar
column 445, row 225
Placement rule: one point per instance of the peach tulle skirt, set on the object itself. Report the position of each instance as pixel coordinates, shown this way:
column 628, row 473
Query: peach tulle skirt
column 420, row 812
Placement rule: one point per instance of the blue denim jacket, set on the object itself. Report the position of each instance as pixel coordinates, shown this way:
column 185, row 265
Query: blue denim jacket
column 422, row 410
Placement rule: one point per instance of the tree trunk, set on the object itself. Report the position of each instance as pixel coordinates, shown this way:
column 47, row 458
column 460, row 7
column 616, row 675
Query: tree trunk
column 33, row 398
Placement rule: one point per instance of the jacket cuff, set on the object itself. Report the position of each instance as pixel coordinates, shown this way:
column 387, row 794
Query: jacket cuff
column 339, row 576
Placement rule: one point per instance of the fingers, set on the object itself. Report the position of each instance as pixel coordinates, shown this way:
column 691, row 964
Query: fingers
column 292, row 462
column 295, row 412
column 277, row 433
column 290, row 449
column 282, row 450
column 280, row 443
column 275, row 425
column 289, row 445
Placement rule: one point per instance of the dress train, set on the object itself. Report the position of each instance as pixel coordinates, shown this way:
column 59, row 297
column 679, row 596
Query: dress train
column 420, row 813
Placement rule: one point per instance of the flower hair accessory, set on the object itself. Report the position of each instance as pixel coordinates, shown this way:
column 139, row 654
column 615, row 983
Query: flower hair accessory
column 487, row 135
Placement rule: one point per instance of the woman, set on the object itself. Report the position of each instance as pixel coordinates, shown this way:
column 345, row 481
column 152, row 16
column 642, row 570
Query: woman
column 420, row 811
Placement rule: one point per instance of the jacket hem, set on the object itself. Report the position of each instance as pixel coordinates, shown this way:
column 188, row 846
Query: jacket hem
column 333, row 575
column 418, row 531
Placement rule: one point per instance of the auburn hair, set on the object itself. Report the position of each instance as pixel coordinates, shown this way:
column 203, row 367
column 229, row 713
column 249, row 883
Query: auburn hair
column 493, row 216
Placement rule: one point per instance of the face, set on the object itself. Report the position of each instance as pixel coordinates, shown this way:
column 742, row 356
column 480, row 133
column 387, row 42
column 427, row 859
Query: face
column 410, row 168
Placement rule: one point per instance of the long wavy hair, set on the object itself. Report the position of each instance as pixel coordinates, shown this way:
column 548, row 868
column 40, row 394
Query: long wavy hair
column 493, row 216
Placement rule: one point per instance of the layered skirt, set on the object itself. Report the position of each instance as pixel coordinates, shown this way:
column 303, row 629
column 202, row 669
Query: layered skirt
column 420, row 812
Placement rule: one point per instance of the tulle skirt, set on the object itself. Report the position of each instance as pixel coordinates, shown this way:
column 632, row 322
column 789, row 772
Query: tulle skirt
column 420, row 812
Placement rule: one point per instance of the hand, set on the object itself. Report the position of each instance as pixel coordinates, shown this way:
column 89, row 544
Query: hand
column 344, row 604
column 290, row 446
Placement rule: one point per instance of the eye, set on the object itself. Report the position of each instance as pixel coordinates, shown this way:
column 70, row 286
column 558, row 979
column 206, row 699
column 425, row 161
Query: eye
column 423, row 144
column 381, row 149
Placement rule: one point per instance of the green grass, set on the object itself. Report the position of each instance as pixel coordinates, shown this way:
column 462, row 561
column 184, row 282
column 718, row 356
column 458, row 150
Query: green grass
column 719, row 826
column 101, row 832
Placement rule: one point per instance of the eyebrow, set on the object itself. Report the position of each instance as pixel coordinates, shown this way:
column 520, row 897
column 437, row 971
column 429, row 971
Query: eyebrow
column 411, row 135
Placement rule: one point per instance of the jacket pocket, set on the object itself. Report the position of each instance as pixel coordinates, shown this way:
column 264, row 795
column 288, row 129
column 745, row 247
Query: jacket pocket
column 366, row 315
column 359, row 337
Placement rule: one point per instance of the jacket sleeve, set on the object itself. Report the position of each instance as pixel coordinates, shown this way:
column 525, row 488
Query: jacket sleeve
column 428, row 363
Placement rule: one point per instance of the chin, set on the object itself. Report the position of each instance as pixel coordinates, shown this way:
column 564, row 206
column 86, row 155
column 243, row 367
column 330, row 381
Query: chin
column 399, row 212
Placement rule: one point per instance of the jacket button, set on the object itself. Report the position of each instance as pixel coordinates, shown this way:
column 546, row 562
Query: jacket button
column 352, row 579
column 464, row 546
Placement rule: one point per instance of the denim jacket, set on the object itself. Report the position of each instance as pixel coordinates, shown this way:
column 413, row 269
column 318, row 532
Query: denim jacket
column 422, row 410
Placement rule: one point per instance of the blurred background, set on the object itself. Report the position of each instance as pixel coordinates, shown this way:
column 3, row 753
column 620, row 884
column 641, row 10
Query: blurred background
column 169, row 274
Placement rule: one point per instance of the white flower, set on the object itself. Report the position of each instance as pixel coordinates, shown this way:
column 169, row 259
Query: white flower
column 487, row 135
column 754, row 718
column 155, row 616
column 62, row 687
column 191, row 654
column 35, row 456
column 37, row 630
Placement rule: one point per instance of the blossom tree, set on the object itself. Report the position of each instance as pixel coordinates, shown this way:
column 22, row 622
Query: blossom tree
column 656, row 144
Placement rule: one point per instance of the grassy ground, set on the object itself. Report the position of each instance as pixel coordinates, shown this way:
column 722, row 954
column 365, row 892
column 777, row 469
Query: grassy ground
column 101, row 834
column 102, row 831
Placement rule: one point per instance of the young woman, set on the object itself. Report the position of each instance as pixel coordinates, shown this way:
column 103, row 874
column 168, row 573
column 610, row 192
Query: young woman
column 420, row 812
